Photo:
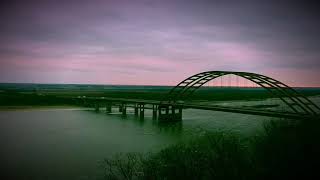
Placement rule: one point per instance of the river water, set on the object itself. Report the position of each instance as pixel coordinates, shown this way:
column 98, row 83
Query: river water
column 70, row 143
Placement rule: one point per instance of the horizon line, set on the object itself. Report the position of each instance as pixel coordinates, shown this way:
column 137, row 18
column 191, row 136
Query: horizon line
column 100, row 84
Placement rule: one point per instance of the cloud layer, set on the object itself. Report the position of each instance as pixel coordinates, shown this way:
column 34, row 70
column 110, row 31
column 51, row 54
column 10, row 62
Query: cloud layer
column 157, row 42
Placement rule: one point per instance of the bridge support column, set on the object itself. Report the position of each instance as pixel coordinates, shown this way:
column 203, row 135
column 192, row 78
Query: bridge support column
column 180, row 113
column 124, row 109
column 162, row 113
column 109, row 107
column 141, row 109
column 154, row 111
column 120, row 107
column 97, row 106
column 136, row 109
column 167, row 110
column 169, row 114
column 173, row 110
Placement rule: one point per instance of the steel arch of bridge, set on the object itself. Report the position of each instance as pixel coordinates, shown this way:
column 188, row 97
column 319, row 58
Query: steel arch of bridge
column 295, row 100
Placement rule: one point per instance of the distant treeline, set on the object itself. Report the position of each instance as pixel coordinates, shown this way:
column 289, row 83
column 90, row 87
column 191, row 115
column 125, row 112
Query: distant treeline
column 28, row 94
column 19, row 99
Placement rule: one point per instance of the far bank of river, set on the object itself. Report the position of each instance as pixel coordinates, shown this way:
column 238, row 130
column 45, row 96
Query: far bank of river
column 40, row 107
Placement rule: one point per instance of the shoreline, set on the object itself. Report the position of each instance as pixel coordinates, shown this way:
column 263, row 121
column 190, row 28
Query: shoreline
column 39, row 107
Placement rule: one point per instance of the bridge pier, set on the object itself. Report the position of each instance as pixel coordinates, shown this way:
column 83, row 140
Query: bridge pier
column 180, row 113
column 141, row 110
column 124, row 109
column 136, row 110
column 97, row 106
column 154, row 111
column 120, row 107
column 85, row 103
column 168, row 113
column 108, row 107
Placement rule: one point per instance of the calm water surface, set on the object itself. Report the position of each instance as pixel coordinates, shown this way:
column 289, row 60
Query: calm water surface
column 69, row 144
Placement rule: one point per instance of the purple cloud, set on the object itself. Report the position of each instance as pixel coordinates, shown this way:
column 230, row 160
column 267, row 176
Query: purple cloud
column 157, row 42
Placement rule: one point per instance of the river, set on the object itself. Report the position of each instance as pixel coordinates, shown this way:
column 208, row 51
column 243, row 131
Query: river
column 70, row 143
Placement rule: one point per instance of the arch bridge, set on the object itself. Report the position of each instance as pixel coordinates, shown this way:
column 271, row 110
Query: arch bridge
column 171, row 105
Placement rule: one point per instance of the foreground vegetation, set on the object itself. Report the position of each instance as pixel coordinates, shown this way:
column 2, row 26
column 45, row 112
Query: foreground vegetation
column 285, row 150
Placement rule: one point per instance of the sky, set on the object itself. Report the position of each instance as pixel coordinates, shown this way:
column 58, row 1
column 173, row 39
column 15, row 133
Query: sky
column 157, row 42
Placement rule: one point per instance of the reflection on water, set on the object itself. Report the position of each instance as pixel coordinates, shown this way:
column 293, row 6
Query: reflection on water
column 65, row 144
column 71, row 143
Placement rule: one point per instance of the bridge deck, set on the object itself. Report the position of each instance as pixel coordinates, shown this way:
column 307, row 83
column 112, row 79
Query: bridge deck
column 241, row 110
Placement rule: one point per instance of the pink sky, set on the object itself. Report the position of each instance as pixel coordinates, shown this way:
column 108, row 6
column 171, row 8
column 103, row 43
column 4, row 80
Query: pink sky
column 158, row 43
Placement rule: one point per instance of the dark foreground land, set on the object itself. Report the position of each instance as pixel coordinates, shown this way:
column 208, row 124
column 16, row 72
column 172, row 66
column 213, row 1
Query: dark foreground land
column 285, row 150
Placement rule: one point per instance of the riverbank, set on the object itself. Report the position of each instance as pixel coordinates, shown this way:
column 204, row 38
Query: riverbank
column 40, row 107
column 285, row 150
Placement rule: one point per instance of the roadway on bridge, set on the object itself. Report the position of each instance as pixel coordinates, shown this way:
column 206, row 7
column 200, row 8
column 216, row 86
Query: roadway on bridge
column 242, row 110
